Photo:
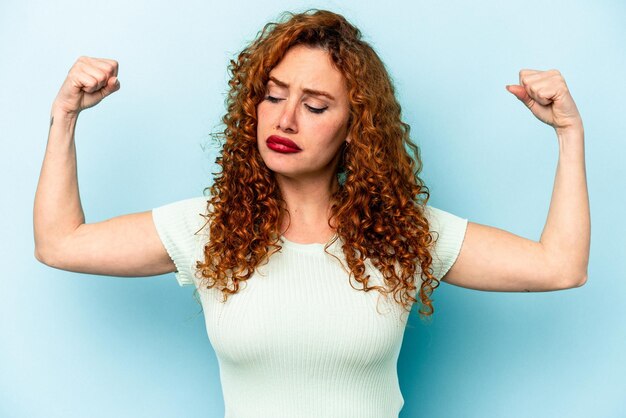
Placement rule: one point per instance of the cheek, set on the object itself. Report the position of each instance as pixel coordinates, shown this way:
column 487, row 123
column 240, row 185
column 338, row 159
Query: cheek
column 261, row 113
column 332, row 132
column 266, row 121
column 262, row 129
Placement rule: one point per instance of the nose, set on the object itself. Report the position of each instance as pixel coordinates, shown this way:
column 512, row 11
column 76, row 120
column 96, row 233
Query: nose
column 288, row 118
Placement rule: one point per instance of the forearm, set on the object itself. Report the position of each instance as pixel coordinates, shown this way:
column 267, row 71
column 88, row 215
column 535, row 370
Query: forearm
column 57, row 208
column 566, row 235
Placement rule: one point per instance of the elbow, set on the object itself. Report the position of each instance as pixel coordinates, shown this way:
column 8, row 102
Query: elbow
column 42, row 248
column 44, row 257
column 571, row 280
column 40, row 256
column 582, row 280
column 566, row 273
column 52, row 254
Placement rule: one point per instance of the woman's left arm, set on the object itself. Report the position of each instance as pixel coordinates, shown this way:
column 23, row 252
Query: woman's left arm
column 496, row 260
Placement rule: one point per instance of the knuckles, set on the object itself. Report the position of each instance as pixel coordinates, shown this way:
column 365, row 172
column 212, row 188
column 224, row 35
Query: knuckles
column 98, row 70
column 530, row 78
column 106, row 66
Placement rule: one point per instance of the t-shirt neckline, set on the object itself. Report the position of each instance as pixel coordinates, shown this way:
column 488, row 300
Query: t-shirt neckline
column 314, row 246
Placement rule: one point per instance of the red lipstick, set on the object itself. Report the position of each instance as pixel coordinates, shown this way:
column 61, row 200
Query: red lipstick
column 280, row 144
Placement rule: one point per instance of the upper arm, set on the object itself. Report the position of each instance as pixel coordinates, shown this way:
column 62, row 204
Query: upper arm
column 496, row 260
column 126, row 245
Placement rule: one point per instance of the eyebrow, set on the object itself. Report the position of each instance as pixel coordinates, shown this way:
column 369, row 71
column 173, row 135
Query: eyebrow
column 307, row 91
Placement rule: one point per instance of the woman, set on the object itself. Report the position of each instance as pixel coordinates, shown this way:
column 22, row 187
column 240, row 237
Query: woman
column 318, row 203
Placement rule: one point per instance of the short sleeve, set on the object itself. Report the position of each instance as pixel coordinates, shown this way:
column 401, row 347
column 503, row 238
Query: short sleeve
column 449, row 234
column 178, row 225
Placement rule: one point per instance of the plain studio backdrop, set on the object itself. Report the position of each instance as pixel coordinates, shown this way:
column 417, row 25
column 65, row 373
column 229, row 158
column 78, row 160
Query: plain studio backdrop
column 75, row 345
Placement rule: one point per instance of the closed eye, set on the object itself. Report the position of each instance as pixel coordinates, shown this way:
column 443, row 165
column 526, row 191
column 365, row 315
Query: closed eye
column 273, row 99
column 312, row 109
column 316, row 110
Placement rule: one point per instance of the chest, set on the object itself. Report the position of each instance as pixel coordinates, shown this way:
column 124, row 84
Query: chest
column 300, row 307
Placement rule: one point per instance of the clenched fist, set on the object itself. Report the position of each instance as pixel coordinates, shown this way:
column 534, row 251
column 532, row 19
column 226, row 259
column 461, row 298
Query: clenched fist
column 548, row 98
column 88, row 82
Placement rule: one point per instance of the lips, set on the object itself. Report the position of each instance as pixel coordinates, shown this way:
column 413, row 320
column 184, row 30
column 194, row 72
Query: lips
column 280, row 144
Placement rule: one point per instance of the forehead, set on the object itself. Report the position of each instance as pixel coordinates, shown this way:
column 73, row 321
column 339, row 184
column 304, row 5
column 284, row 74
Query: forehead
column 309, row 67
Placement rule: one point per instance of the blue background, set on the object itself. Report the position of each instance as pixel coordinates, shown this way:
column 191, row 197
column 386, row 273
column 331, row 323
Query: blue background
column 74, row 345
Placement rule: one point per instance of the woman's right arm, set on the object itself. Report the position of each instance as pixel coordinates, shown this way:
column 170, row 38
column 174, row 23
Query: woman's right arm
column 126, row 245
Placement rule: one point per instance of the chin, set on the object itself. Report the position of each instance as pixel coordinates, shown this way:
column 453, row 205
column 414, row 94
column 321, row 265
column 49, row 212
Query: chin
column 273, row 163
column 281, row 169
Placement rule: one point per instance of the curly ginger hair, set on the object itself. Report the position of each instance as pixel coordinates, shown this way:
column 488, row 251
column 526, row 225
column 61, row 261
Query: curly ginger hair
column 379, row 205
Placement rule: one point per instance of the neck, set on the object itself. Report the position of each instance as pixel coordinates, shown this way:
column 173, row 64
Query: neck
column 308, row 201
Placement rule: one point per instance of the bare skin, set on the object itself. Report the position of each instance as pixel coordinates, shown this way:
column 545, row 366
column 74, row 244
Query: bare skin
column 496, row 260
column 126, row 245
column 490, row 258
column 317, row 124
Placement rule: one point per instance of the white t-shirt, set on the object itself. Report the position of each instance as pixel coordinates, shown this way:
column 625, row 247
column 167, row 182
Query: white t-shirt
column 298, row 340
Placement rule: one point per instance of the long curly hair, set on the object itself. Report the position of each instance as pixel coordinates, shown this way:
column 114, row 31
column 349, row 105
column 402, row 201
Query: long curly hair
column 379, row 205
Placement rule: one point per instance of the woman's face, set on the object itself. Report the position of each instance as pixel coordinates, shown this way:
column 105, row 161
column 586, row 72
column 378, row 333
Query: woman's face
column 306, row 102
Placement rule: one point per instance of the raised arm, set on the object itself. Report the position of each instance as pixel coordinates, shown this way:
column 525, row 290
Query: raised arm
column 496, row 260
column 123, row 246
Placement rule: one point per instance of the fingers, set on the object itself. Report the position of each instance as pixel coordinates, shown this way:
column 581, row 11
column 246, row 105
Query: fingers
column 109, row 66
column 547, row 96
column 87, row 83
column 520, row 93
column 112, row 86
column 542, row 86
column 92, row 74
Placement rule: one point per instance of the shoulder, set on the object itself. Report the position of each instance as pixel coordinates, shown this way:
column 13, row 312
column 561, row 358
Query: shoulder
column 181, row 226
column 183, row 215
column 189, row 205
column 448, row 232
column 439, row 219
